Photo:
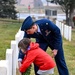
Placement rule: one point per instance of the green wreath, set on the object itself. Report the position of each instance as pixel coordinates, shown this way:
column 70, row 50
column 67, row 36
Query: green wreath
column 27, row 71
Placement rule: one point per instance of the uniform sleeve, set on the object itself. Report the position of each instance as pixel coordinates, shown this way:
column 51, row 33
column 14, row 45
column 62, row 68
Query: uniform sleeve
column 20, row 55
column 57, row 38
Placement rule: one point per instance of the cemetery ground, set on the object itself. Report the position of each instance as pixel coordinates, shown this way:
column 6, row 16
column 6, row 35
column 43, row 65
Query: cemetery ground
column 8, row 31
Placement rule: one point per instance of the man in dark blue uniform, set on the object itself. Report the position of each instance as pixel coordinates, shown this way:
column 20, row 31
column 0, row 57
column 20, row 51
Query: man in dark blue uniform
column 47, row 34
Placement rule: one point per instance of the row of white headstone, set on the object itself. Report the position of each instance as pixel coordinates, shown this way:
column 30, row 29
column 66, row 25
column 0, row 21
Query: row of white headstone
column 66, row 31
column 8, row 66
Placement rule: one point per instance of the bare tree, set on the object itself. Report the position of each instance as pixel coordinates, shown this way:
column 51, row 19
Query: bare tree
column 68, row 7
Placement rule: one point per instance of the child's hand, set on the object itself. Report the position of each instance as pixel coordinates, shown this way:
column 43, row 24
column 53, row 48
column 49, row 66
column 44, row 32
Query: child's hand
column 19, row 64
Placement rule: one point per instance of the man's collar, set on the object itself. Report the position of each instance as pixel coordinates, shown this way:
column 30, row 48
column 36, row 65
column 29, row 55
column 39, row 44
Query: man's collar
column 38, row 29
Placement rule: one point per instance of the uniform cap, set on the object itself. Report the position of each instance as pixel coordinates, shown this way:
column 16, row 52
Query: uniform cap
column 27, row 23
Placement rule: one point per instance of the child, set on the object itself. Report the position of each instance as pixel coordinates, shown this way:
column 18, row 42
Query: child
column 34, row 54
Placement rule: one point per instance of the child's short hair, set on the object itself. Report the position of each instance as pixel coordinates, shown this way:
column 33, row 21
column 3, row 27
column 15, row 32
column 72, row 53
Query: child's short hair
column 24, row 43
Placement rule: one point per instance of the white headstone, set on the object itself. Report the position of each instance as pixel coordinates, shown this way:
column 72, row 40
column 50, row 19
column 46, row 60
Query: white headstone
column 4, row 69
column 14, row 57
column 9, row 53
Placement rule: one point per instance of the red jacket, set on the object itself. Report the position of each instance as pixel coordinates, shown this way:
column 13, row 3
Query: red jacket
column 37, row 56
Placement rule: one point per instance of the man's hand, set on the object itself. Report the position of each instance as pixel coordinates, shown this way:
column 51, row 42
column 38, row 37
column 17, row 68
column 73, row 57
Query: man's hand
column 54, row 53
column 19, row 64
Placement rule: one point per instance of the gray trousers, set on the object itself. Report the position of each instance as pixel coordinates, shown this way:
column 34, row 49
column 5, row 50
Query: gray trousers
column 46, row 72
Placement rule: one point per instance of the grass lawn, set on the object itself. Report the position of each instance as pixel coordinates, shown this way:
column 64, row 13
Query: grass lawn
column 8, row 31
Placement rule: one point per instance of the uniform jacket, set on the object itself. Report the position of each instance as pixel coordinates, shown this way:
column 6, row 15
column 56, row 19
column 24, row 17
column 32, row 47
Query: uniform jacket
column 37, row 56
column 51, row 34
